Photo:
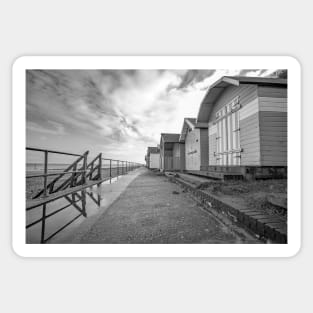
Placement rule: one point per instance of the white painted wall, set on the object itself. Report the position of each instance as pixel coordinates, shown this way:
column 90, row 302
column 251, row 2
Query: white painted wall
column 154, row 160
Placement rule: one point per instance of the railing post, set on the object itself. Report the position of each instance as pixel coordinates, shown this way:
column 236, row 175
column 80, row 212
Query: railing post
column 118, row 168
column 84, row 181
column 83, row 199
column 73, row 181
column 45, row 172
column 91, row 170
column 43, row 223
column 110, row 170
column 100, row 167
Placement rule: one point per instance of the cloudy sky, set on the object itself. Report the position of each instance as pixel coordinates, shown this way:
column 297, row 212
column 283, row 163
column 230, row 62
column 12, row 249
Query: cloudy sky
column 117, row 112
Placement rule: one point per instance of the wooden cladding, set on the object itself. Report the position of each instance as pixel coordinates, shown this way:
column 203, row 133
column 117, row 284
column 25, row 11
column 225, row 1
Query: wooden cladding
column 228, row 134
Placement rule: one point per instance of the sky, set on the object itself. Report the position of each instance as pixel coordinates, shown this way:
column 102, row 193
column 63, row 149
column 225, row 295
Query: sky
column 117, row 112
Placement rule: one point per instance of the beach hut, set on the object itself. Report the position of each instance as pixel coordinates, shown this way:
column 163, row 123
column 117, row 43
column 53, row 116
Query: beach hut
column 153, row 157
column 196, row 145
column 247, row 127
column 172, row 153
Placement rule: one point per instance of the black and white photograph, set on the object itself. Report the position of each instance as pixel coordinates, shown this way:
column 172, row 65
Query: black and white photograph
column 156, row 156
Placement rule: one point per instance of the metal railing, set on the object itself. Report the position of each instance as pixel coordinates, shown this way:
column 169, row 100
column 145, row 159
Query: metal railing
column 71, row 184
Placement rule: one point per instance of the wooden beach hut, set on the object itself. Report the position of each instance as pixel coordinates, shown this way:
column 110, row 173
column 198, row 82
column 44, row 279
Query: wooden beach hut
column 172, row 153
column 153, row 157
column 247, row 127
column 195, row 138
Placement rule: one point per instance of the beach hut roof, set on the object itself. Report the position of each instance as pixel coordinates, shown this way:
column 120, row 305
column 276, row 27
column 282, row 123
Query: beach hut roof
column 170, row 137
column 217, row 88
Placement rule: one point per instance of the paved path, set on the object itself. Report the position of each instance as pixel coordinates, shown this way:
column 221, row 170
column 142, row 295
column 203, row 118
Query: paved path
column 108, row 193
column 149, row 212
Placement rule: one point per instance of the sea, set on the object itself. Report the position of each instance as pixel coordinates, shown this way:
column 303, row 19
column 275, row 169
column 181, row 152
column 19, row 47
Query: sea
column 39, row 167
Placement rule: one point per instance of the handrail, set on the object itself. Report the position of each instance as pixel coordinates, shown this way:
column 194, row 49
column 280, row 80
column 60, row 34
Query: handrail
column 50, row 186
column 52, row 151
column 53, row 174
column 71, row 185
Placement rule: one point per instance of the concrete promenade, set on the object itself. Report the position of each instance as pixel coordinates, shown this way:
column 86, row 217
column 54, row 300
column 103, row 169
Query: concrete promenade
column 151, row 209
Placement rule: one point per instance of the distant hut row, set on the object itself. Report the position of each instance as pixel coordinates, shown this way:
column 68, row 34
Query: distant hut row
column 153, row 157
column 240, row 131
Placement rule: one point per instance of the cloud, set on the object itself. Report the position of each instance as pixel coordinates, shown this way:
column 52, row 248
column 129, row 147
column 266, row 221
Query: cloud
column 194, row 76
column 49, row 128
column 190, row 78
column 119, row 112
